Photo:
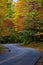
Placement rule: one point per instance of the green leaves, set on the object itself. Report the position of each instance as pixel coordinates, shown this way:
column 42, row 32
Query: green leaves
column 9, row 5
column 42, row 2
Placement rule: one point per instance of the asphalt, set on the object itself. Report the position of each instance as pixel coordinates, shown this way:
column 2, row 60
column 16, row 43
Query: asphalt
column 19, row 55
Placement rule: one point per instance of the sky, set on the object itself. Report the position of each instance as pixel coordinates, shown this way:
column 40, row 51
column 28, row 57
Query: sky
column 15, row 0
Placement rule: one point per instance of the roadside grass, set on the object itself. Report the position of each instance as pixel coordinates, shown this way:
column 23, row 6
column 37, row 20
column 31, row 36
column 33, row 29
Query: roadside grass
column 33, row 45
column 1, row 47
column 41, row 44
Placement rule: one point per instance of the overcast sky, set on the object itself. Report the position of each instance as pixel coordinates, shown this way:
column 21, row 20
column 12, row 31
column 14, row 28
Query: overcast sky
column 15, row 0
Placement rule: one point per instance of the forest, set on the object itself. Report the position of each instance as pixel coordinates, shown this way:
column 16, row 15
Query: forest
column 21, row 32
column 21, row 21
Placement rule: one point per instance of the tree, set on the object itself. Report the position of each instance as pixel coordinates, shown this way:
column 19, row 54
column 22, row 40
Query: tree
column 2, row 9
column 6, row 9
column 6, row 27
column 10, row 9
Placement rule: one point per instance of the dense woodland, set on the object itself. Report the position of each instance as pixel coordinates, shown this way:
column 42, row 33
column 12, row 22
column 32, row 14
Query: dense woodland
column 21, row 21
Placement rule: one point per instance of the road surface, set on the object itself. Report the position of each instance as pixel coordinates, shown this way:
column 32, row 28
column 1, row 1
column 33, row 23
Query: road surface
column 19, row 55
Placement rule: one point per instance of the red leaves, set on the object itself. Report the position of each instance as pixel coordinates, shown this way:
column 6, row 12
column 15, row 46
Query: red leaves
column 8, row 23
column 21, row 16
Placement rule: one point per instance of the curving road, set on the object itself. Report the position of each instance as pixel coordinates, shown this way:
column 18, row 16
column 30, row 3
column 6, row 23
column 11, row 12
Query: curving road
column 19, row 55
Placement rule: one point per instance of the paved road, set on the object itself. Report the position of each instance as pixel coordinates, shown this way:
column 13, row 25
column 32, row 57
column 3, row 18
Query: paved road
column 19, row 55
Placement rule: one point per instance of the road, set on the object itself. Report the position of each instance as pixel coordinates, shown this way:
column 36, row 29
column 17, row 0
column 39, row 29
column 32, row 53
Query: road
column 19, row 55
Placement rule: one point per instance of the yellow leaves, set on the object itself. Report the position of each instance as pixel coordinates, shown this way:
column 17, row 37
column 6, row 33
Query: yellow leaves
column 30, row 0
column 6, row 9
column 2, row 9
column 20, row 13
column 39, row 1
column 21, row 9
column 32, row 13
column 40, row 13
column 2, row 12
column 1, row 5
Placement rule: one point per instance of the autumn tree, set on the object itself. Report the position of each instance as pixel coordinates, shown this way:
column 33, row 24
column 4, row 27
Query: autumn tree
column 6, row 27
column 6, row 17
column 21, row 10
column 10, row 9
column 6, row 9
column 2, row 9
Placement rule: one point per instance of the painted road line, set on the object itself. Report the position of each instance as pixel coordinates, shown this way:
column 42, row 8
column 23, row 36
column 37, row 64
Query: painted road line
column 10, row 58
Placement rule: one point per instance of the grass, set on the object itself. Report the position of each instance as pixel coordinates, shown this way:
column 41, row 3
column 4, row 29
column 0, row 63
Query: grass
column 1, row 47
column 33, row 45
